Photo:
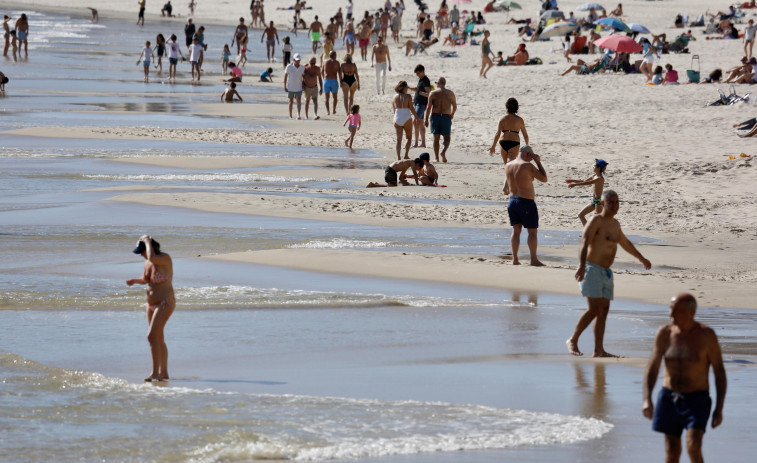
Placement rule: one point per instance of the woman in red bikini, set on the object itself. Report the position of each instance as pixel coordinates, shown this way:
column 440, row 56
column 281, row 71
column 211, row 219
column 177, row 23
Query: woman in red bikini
column 160, row 301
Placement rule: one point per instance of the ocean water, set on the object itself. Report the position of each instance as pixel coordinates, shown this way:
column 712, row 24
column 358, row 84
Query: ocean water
column 270, row 363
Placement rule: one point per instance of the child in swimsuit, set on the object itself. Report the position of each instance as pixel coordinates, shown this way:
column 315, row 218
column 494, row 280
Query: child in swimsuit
column 354, row 120
column 598, row 180
column 225, row 55
column 243, row 53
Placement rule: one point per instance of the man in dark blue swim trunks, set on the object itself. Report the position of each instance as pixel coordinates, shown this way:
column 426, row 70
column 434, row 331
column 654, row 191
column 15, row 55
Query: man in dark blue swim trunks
column 689, row 349
column 522, row 210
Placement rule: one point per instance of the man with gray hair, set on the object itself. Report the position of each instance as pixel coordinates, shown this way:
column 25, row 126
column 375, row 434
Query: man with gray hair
column 599, row 244
column 689, row 349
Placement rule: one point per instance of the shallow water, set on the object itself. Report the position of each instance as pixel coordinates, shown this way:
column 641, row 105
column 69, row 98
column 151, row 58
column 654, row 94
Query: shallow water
column 271, row 363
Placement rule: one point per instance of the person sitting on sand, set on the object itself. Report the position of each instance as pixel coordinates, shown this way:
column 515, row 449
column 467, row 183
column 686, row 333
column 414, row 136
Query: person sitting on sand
column 451, row 39
column 715, row 76
column 235, row 73
column 499, row 60
column 750, row 76
column 401, row 166
column 417, row 46
column 231, row 91
column 597, row 181
column 429, row 177
column 657, row 77
column 671, row 75
column 738, row 71
column 267, row 75
column 519, row 58
column 618, row 11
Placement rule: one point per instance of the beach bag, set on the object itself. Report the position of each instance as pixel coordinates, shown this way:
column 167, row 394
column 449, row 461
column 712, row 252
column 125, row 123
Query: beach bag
column 691, row 73
column 534, row 61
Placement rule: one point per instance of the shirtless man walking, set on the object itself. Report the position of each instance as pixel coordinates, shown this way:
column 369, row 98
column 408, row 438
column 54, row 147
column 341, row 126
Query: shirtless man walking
column 689, row 349
column 332, row 75
column 364, row 38
column 381, row 54
column 311, row 80
column 440, row 111
column 520, row 175
column 315, row 31
column 599, row 244
column 272, row 38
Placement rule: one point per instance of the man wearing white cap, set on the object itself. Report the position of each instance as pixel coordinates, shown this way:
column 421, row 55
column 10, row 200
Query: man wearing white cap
column 293, row 83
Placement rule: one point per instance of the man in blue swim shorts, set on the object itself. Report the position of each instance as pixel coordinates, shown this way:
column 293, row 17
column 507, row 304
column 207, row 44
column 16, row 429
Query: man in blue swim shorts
column 599, row 244
column 522, row 210
column 439, row 113
column 689, row 349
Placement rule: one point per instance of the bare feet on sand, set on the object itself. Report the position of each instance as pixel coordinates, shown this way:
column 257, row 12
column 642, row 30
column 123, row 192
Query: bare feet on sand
column 604, row 354
column 573, row 348
column 536, row 263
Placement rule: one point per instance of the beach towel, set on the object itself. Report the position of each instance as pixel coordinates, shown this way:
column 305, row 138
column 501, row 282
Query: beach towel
column 448, row 54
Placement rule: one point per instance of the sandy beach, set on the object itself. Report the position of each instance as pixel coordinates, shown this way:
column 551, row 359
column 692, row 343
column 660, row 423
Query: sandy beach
column 251, row 199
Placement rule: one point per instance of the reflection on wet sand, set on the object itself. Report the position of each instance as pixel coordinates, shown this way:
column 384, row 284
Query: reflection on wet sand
column 593, row 396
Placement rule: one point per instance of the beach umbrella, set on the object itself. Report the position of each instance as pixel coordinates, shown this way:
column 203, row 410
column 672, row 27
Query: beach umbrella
column 636, row 27
column 613, row 23
column 507, row 4
column 618, row 42
column 558, row 29
column 589, row 6
column 553, row 14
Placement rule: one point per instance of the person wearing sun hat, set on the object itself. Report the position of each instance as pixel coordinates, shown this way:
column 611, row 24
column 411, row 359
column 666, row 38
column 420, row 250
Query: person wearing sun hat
column 293, row 83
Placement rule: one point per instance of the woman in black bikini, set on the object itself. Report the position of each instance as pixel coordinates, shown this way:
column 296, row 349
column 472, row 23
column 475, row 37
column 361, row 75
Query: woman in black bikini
column 508, row 129
column 350, row 81
column 507, row 132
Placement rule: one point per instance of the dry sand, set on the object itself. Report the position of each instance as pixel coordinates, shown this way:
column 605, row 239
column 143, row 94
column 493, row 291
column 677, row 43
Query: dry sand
column 668, row 157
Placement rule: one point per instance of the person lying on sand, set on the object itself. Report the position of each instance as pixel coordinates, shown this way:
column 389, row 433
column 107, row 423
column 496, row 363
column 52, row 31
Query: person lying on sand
column 417, row 46
column 390, row 173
